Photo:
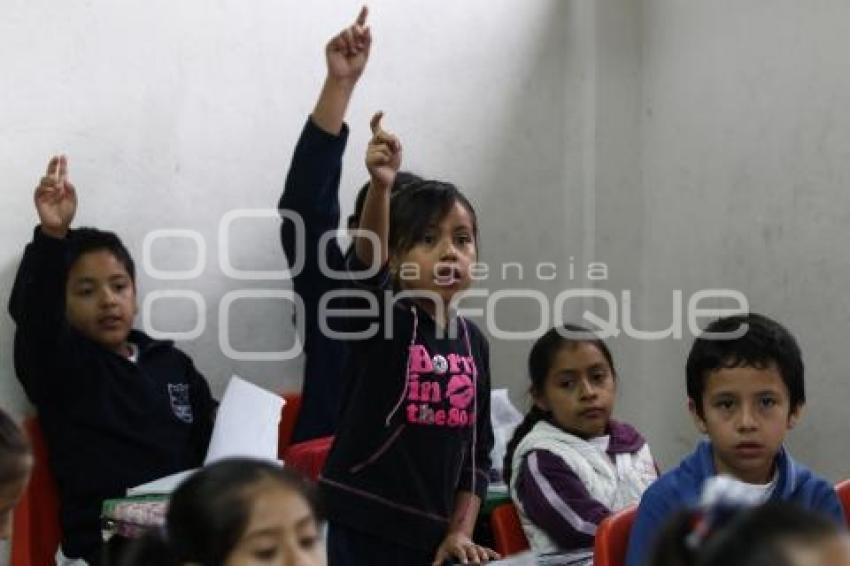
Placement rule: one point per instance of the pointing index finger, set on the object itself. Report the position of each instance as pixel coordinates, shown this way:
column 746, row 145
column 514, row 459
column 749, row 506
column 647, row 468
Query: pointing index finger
column 52, row 166
column 375, row 123
column 361, row 17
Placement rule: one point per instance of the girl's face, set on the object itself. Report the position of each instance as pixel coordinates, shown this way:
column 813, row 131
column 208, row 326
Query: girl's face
column 9, row 496
column 579, row 390
column 282, row 531
column 440, row 262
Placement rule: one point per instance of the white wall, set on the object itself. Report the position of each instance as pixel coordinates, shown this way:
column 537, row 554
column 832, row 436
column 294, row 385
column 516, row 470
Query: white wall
column 688, row 145
column 173, row 114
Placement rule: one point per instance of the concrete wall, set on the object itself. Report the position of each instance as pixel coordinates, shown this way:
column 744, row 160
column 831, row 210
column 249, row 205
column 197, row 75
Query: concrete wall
column 686, row 145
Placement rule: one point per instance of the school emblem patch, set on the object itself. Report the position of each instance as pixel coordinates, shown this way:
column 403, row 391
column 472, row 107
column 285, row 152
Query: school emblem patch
column 178, row 393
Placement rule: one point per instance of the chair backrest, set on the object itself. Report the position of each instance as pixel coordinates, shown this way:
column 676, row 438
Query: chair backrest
column 612, row 538
column 309, row 457
column 508, row 536
column 36, row 533
column 288, row 417
column 843, row 490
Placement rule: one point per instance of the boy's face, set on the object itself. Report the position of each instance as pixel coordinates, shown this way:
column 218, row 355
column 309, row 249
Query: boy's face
column 100, row 299
column 746, row 414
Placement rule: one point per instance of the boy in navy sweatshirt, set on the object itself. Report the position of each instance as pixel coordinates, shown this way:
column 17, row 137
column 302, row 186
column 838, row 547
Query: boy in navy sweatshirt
column 117, row 408
column 745, row 391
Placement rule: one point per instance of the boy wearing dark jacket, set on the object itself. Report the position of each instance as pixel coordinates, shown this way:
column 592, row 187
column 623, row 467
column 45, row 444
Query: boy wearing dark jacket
column 117, row 408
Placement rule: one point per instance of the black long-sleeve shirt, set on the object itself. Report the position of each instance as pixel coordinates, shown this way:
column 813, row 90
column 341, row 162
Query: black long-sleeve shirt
column 415, row 429
column 109, row 423
column 312, row 192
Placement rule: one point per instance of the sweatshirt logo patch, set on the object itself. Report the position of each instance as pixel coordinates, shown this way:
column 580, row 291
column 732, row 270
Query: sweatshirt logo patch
column 178, row 393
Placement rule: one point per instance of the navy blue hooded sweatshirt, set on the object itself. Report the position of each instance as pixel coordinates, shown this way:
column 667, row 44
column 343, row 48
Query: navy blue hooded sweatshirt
column 415, row 428
column 312, row 192
column 681, row 487
column 109, row 423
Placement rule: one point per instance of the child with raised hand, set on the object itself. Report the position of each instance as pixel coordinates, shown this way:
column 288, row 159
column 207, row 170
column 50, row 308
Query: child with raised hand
column 236, row 512
column 408, row 469
column 569, row 464
column 15, row 465
column 312, row 192
column 117, row 408
column 746, row 390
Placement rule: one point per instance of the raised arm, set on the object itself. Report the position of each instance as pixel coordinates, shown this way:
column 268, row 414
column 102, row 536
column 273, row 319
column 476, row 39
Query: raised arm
column 347, row 54
column 38, row 296
column 383, row 160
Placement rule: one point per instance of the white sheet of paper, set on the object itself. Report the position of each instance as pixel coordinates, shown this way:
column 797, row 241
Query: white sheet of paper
column 162, row 485
column 246, row 426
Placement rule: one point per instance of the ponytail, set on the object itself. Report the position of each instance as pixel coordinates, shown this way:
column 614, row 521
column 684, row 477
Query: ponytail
column 535, row 415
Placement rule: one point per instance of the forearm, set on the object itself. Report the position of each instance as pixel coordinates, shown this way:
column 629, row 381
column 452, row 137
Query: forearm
column 465, row 513
column 376, row 219
column 329, row 113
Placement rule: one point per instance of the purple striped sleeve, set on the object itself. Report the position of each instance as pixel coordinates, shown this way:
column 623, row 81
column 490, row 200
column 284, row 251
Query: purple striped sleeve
column 557, row 502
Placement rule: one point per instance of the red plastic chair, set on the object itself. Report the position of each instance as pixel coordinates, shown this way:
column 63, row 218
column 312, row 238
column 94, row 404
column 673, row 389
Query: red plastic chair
column 843, row 490
column 309, row 457
column 36, row 533
column 508, row 536
column 612, row 538
column 288, row 417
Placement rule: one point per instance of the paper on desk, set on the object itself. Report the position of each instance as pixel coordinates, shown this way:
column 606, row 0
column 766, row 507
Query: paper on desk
column 246, row 426
column 247, row 423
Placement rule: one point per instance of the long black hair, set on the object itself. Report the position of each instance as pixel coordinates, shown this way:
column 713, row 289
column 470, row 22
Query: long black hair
column 539, row 362
column 420, row 205
column 209, row 512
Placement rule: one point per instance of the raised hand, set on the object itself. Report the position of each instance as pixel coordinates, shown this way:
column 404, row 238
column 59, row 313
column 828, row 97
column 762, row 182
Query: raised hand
column 383, row 156
column 56, row 198
column 348, row 51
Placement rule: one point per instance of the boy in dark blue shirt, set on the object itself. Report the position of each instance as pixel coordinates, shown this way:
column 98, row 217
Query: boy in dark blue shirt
column 117, row 408
column 745, row 392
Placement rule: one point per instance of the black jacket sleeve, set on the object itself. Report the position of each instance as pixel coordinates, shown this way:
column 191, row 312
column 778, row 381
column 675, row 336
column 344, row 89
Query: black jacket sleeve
column 44, row 346
column 312, row 193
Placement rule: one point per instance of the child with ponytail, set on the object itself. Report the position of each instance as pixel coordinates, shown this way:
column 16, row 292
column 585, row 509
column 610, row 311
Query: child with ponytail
column 569, row 465
column 236, row 512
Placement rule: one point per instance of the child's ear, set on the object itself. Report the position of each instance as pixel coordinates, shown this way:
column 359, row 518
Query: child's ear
column 698, row 420
column 540, row 402
column 795, row 415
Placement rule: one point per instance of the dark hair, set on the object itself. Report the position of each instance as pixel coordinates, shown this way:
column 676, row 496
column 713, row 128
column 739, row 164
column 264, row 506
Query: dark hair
column 208, row 513
column 15, row 450
column 765, row 342
column 86, row 240
column 755, row 536
column 402, row 179
column 419, row 206
column 539, row 361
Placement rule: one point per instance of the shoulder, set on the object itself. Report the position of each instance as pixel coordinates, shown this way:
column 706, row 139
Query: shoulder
column 625, row 438
column 806, row 482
